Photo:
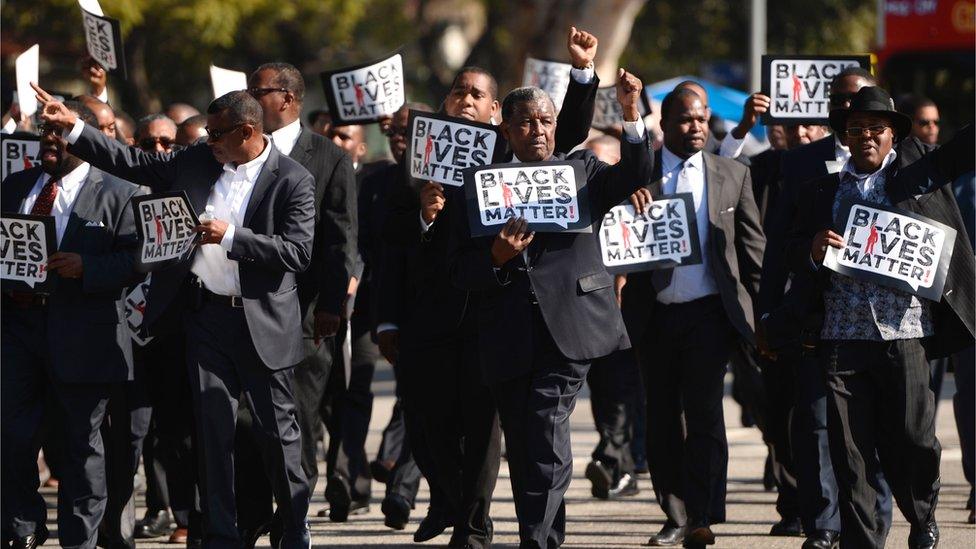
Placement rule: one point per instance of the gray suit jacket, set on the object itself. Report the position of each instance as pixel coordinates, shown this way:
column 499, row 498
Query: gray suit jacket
column 274, row 243
column 87, row 337
column 735, row 251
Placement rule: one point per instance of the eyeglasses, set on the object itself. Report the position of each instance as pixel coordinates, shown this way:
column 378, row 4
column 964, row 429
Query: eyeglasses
column 216, row 135
column 923, row 122
column 871, row 130
column 48, row 129
column 261, row 92
column 149, row 143
column 393, row 130
column 840, row 99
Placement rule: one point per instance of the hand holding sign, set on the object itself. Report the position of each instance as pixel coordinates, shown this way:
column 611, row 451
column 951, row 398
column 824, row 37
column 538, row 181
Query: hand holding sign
column 53, row 111
column 756, row 106
column 431, row 201
column 68, row 265
column 629, row 89
column 513, row 238
column 820, row 242
column 582, row 47
column 641, row 200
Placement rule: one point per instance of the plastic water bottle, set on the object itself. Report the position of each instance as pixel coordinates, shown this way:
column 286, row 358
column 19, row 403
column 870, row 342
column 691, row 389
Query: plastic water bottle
column 208, row 214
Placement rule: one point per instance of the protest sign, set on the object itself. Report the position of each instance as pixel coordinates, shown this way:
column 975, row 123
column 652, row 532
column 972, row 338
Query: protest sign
column 365, row 93
column 225, row 81
column 165, row 223
column 441, row 146
column 892, row 247
column 27, row 71
column 20, row 152
column 135, row 311
column 551, row 196
column 664, row 236
column 26, row 241
column 551, row 76
column 103, row 36
column 799, row 85
column 607, row 111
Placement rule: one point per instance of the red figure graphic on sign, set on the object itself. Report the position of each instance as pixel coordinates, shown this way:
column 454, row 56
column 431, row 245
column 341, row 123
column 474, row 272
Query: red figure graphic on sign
column 358, row 89
column 506, row 194
column 796, row 87
column 141, row 307
column 625, row 234
column 872, row 240
column 428, row 148
column 159, row 230
column 27, row 163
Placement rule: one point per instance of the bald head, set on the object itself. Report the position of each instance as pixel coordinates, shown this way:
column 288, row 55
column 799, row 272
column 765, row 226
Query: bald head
column 179, row 112
column 103, row 113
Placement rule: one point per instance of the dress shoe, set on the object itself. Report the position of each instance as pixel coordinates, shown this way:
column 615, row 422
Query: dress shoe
column 154, row 525
column 600, row 477
column 668, row 536
column 31, row 541
column 357, row 507
column 339, row 498
column 822, row 539
column 381, row 469
column 788, row 527
column 972, row 517
column 432, row 526
column 250, row 536
column 626, row 486
column 925, row 537
column 396, row 511
column 180, row 535
column 698, row 537
column 301, row 537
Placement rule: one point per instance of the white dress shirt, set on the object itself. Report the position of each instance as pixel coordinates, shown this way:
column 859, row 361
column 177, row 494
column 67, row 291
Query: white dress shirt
column 284, row 138
column 689, row 282
column 68, row 188
column 229, row 197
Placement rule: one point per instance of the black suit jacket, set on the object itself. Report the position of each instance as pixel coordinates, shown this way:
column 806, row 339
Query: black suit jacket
column 574, row 290
column 88, row 339
column 334, row 250
column 736, row 243
column 923, row 187
column 373, row 181
column 274, row 243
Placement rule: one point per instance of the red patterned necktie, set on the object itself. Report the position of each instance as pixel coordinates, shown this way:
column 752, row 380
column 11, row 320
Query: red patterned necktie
column 45, row 200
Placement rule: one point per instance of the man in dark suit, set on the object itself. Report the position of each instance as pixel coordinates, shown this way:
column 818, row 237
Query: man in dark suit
column 235, row 296
column 280, row 89
column 75, row 342
column 670, row 312
column 874, row 340
column 546, row 308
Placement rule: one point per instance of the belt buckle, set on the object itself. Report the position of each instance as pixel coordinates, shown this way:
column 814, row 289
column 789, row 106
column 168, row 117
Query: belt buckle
column 236, row 301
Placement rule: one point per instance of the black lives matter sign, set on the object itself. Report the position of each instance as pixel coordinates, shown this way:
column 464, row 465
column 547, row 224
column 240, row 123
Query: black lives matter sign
column 664, row 236
column 552, row 76
column 799, row 86
column 551, row 196
column 103, row 36
column 607, row 112
column 365, row 93
column 26, row 241
column 892, row 247
column 135, row 311
column 20, row 152
column 165, row 223
column 440, row 147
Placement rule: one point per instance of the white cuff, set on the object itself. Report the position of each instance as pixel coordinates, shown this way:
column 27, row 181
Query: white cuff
column 583, row 76
column 386, row 327
column 424, row 227
column 10, row 126
column 103, row 97
column 227, row 241
column 731, row 147
column 634, row 131
column 75, row 132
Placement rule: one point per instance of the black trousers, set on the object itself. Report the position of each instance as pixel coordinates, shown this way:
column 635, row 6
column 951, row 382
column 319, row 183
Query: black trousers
column 395, row 448
column 614, row 384
column 964, row 409
column 534, row 409
column 779, row 387
column 688, row 461
column 881, row 415
column 224, row 367
column 463, row 438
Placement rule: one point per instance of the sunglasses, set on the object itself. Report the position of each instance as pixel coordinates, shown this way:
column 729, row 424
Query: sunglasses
column 48, row 129
column 261, row 92
column 392, row 131
column 870, row 130
column 217, row 135
column 150, row 142
column 923, row 122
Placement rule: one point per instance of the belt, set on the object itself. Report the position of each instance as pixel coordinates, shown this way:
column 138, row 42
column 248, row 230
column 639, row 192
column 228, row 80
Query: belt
column 235, row 301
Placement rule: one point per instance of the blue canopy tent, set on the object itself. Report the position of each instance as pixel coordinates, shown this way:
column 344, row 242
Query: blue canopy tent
column 725, row 102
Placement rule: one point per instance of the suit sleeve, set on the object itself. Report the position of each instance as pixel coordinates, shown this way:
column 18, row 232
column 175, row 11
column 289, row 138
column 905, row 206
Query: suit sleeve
column 802, row 231
column 469, row 259
column 289, row 249
column 113, row 271
column 394, row 249
column 155, row 170
column 955, row 157
column 611, row 185
column 337, row 253
column 749, row 238
column 576, row 116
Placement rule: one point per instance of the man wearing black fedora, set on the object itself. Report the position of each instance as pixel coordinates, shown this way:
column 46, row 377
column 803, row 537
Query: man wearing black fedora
column 872, row 340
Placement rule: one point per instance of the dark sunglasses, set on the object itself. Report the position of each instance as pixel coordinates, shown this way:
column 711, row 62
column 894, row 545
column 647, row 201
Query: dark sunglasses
column 840, row 99
column 150, row 142
column 217, row 135
column 871, row 130
column 923, row 122
column 261, row 92
column 48, row 129
column 391, row 131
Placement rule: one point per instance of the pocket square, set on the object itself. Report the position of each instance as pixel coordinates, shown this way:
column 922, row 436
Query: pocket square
column 729, row 210
column 94, row 224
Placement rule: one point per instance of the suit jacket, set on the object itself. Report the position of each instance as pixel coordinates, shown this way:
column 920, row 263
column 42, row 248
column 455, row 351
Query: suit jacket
column 334, row 252
column 735, row 249
column 88, row 339
column 923, row 187
column 273, row 244
column 574, row 291
column 373, row 181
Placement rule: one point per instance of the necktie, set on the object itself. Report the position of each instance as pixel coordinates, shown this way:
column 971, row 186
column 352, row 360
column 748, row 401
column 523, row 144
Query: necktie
column 661, row 278
column 45, row 200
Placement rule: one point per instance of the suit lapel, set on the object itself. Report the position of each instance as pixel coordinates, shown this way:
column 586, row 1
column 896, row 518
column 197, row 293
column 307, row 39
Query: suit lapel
column 269, row 172
column 657, row 181
column 302, row 151
column 713, row 188
column 16, row 189
column 85, row 206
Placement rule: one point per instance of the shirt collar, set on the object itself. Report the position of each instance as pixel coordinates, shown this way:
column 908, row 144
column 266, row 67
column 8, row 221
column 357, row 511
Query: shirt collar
column 670, row 161
column 285, row 137
column 252, row 168
column 849, row 168
column 72, row 180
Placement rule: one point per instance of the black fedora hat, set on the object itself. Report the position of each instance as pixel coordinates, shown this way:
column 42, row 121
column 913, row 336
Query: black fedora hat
column 873, row 100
